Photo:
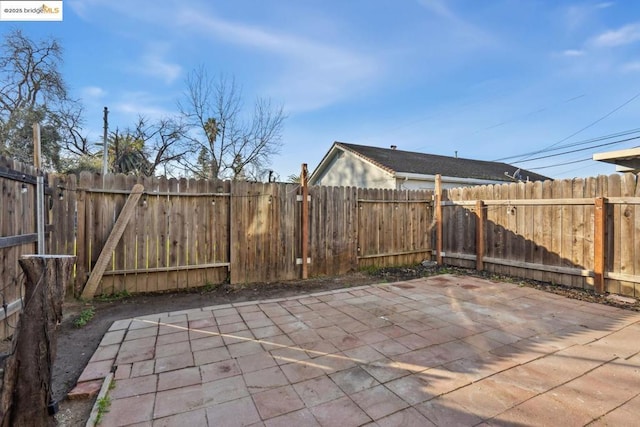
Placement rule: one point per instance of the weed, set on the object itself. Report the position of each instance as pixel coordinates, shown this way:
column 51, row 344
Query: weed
column 84, row 317
column 104, row 403
column 103, row 407
column 370, row 269
column 208, row 287
column 123, row 294
column 446, row 270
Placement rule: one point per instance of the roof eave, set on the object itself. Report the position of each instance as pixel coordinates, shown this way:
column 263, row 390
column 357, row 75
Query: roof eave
column 450, row 179
column 324, row 162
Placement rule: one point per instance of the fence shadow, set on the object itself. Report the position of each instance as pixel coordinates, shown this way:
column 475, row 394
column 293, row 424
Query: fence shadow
column 546, row 231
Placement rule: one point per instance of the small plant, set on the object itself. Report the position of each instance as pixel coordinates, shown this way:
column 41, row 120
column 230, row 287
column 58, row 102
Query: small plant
column 370, row 269
column 446, row 270
column 104, row 403
column 208, row 287
column 123, row 294
column 85, row 316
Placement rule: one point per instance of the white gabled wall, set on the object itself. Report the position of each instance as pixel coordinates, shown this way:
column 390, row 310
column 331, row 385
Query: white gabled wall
column 347, row 169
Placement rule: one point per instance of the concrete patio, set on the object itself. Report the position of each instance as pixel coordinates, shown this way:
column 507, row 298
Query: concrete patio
column 444, row 350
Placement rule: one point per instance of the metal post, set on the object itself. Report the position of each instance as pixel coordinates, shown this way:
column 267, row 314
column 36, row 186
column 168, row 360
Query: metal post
column 37, row 162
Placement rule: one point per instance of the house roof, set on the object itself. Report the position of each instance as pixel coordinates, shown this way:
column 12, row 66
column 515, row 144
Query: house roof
column 400, row 161
column 625, row 160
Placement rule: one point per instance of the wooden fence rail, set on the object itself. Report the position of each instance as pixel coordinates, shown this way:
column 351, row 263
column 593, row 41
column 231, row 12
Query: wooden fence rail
column 581, row 232
column 190, row 233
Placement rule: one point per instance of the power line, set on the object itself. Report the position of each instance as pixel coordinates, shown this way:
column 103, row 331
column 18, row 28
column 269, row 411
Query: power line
column 560, row 164
column 633, row 98
column 525, row 115
column 579, row 149
column 455, row 109
column 573, row 144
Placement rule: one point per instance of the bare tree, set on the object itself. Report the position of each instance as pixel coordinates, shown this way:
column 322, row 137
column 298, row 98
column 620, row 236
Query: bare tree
column 32, row 90
column 71, row 122
column 236, row 146
column 148, row 146
column 30, row 73
column 165, row 141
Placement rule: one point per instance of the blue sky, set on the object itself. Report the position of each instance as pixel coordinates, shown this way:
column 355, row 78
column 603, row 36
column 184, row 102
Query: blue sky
column 488, row 79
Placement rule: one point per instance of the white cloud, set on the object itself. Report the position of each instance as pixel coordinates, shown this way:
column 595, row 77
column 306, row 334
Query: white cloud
column 141, row 103
column 312, row 74
column 582, row 15
column 573, row 52
column 80, row 7
column 462, row 29
column 141, row 109
column 622, row 36
column 631, row 67
column 92, row 92
column 439, row 8
column 154, row 65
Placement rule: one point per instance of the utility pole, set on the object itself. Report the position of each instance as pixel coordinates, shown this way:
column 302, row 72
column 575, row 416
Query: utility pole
column 105, row 151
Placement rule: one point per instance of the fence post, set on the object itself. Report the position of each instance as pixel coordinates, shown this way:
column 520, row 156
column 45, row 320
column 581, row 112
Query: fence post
column 438, row 213
column 599, row 243
column 480, row 214
column 305, row 220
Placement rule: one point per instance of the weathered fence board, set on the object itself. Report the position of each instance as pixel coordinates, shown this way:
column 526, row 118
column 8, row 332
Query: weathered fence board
column 260, row 235
column 333, row 230
column 558, row 236
column 636, row 232
column 394, row 227
column 627, row 225
column 17, row 220
column 175, row 240
column 613, row 242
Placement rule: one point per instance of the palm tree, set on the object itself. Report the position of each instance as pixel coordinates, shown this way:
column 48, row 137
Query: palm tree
column 126, row 154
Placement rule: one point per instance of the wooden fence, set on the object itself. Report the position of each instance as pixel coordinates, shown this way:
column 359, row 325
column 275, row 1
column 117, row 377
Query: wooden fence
column 581, row 232
column 394, row 227
column 190, row 233
column 17, row 236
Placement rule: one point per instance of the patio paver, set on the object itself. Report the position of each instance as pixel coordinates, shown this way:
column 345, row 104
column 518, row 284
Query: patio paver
column 443, row 350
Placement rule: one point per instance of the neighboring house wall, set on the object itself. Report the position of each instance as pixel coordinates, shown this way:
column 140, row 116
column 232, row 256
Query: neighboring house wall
column 347, row 169
column 447, row 183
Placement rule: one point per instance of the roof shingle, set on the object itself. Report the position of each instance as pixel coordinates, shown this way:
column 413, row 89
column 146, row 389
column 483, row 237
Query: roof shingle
column 431, row 164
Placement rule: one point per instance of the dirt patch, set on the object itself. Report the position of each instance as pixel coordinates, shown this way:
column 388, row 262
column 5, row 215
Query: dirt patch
column 77, row 345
